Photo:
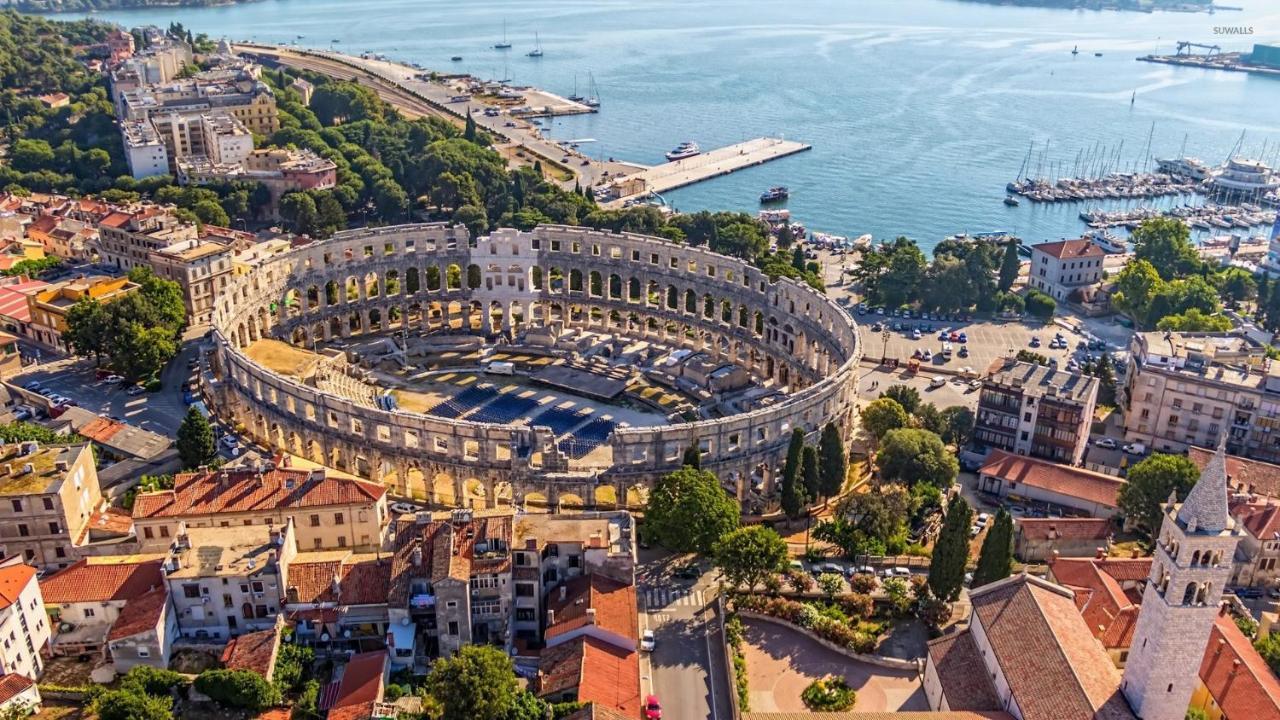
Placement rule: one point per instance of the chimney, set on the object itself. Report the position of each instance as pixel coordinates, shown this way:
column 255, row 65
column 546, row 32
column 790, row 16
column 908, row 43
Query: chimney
column 564, row 592
column 60, row 465
column 175, row 564
column 417, row 556
column 28, row 468
column 551, row 618
column 337, row 587
column 1053, row 557
column 591, row 616
column 1100, row 554
column 1134, row 554
column 317, row 474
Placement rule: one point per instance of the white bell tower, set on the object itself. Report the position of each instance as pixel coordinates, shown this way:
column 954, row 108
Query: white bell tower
column 1192, row 563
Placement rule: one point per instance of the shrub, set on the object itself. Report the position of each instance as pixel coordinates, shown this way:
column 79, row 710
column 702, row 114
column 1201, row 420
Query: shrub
column 809, row 616
column 152, row 681
column 154, row 385
column 733, row 631
column 828, row 694
column 238, row 688
column 293, row 666
column 308, row 697
column 1040, row 305
column 740, row 682
column 857, row 605
column 863, row 584
column 799, row 580
column 132, row 704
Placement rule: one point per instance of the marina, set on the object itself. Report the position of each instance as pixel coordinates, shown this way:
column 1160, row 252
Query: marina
column 704, row 166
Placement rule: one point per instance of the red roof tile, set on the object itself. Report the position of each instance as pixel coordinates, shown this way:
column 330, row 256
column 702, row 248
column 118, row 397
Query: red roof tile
column 1262, row 520
column 361, row 680
column 140, row 614
column 601, row 673
column 254, row 651
column 1064, row 528
column 12, row 685
column 13, row 580
column 116, row 220
column 13, row 299
column 1070, row 249
column 1062, row 479
column 207, row 493
column 957, row 658
column 1252, row 476
column 366, row 582
column 614, row 604
column 1238, row 678
column 1052, row 664
column 92, row 580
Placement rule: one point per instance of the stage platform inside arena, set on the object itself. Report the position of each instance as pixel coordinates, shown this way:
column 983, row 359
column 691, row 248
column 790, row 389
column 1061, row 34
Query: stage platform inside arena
column 580, row 382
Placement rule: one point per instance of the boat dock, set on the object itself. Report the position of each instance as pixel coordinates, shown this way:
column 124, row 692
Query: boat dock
column 714, row 163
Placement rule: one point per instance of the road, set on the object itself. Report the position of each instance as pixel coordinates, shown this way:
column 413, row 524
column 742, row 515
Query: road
column 390, row 76
column 687, row 670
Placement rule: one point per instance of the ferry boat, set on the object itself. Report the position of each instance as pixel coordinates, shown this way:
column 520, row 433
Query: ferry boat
column 1011, row 201
column 775, row 194
column 684, row 150
column 1187, row 167
column 1109, row 243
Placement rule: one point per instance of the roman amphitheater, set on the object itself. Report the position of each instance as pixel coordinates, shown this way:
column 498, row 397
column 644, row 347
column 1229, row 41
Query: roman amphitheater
column 558, row 368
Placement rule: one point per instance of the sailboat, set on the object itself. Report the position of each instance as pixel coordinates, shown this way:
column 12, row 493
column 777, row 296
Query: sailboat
column 593, row 96
column 1134, row 98
column 1075, row 50
column 504, row 45
column 575, row 97
column 536, row 52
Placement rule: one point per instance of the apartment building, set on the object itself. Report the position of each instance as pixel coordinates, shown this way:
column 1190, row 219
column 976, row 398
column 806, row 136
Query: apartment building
column 144, row 149
column 226, row 581
column 329, row 512
column 47, row 497
column 49, row 306
column 280, row 170
column 128, row 237
column 216, row 137
column 1063, row 268
column 1035, row 410
column 24, row 629
column 238, row 94
column 201, row 268
column 87, row 599
column 337, row 600
column 1188, row 389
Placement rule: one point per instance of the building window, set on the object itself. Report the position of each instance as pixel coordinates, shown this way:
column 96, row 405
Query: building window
column 257, row 586
column 60, row 552
column 146, row 533
column 191, row 591
column 338, row 519
column 315, row 521
column 54, row 529
column 342, row 541
column 143, row 652
column 88, row 612
column 48, row 503
column 453, row 627
column 23, row 531
column 164, row 531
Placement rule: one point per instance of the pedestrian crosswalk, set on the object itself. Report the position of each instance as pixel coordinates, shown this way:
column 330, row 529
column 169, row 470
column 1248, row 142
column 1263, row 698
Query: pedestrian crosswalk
column 669, row 597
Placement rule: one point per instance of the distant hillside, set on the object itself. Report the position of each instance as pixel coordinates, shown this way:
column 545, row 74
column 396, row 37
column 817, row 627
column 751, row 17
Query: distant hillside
column 55, row 6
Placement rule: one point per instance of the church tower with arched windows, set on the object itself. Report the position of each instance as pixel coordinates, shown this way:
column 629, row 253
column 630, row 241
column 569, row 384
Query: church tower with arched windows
column 1192, row 563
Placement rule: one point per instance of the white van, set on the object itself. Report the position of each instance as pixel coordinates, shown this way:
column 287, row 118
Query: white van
column 498, row 367
column 946, row 350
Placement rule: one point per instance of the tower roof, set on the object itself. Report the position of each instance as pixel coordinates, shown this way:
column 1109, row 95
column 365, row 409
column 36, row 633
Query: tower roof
column 1205, row 509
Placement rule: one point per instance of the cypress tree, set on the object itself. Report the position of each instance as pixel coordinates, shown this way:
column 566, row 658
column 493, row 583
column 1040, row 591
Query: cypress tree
column 995, row 562
column 951, row 553
column 832, row 463
column 792, row 490
column 798, row 260
column 1264, row 292
column 469, row 132
column 809, row 472
column 195, row 440
column 693, row 456
column 1009, row 266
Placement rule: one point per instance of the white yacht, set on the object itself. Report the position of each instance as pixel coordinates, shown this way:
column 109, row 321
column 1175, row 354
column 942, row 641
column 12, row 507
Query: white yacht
column 1109, row 243
column 1187, row 167
column 684, row 150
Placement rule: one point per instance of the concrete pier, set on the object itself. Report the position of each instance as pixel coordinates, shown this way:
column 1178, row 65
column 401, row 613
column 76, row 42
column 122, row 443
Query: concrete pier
column 714, row 163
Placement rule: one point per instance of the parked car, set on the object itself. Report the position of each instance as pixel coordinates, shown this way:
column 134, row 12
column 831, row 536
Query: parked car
column 33, row 386
column 974, row 530
column 1106, row 442
column 901, row 572
column 937, row 382
column 1035, row 341
column 1135, row 449
column 689, row 571
column 135, row 390
column 983, row 519
column 652, row 708
column 230, row 442
column 647, row 641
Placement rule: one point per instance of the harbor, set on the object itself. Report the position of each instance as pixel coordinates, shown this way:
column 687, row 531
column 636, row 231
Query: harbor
column 1214, row 59
column 697, row 168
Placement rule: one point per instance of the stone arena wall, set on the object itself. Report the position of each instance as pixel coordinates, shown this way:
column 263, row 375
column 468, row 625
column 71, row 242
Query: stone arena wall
column 421, row 279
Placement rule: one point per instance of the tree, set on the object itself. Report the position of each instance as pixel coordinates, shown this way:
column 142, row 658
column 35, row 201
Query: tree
column 793, row 496
column 995, row 561
column 1010, row 264
column 528, row 706
column 906, row 396
column 809, row 473
column 927, row 417
column 1268, row 646
column 1193, row 320
column 238, row 689
column 688, row 511
column 132, row 705
column 1148, row 486
column 830, row 584
column 951, row 552
column 195, row 440
column 833, row 465
column 1136, row 284
column 881, row 416
column 211, row 213
column 957, row 423
column 477, row 683
column 912, row 456
column 469, row 131
column 1165, row 242
column 693, row 456
column 88, row 328
column 1040, row 305
column 1237, row 285
column 750, row 554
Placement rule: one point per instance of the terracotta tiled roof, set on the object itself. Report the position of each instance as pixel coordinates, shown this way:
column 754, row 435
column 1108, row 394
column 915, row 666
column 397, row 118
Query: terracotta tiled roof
column 1066, row 249
column 140, row 614
column 1245, row 690
column 1062, row 479
column 254, row 651
column 364, row 582
column 1064, row 528
column 13, row 684
column 596, row 711
column 96, row 579
column 560, row 667
column 13, row 299
column 355, row 711
column 601, row 672
column 207, row 493
column 13, row 580
column 1052, row 664
column 881, row 715
column 1262, row 520
column 116, row 220
column 1243, row 474
column 959, row 664
column 361, row 681
column 446, row 551
column 614, row 604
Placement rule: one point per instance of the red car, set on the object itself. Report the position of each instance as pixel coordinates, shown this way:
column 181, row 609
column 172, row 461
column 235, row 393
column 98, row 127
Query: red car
column 652, row 708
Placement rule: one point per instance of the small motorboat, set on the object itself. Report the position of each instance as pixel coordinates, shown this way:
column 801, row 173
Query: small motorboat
column 777, row 193
column 456, row 58
column 1011, row 201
